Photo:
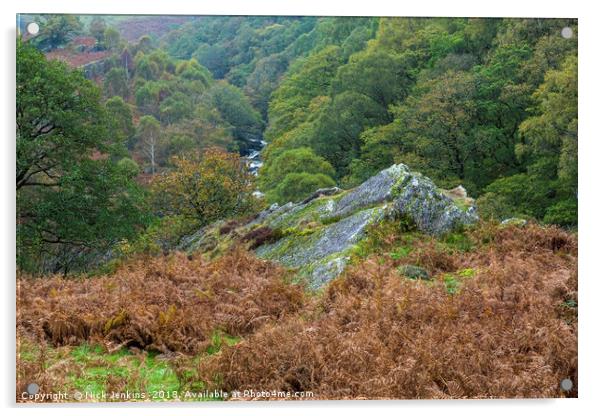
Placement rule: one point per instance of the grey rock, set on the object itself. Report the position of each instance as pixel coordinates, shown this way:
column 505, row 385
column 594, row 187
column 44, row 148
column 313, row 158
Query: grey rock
column 200, row 240
column 377, row 189
column 324, row 272
column 320, row 232
column 432, row 211
column 322, row 192
column 297, row 251
column 518, row 222
column 414, row 272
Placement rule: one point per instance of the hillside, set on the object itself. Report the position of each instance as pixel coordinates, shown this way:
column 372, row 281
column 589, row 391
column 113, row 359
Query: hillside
column 325, row 207
column 446, row 316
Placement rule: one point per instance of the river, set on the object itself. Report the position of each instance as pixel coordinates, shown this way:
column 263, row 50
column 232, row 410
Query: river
column 253, row 155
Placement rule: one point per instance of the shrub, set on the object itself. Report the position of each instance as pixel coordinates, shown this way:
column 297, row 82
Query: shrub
column 317, row 172
column 465, row 334
column 206, row 187
column 298, row 186
column 261, row 235
column 167, row 304
column 563, row 213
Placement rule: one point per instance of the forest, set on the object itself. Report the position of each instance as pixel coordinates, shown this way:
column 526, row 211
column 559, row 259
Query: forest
column 138, row 134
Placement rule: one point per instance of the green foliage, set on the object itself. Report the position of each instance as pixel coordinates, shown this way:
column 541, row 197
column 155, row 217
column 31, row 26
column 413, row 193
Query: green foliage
column 375, row 74
column 400, row 253
column 115, row 83
column 562, row 213
column 111, row 38
column 236, row 110
column 308, row 79
column 302, row 165
column 95, row 204
column 193, row 71
column 342, row 122
column 97, row 29
column 458, row 241
column 57, row 30
column 73, row 199
column 452, row 285
column 297, row 186
column 453, row 281
column 464, row 101
column 149, row 135
column 218, row 339
column 163, row 234
column 302, row 159
column 54, row 125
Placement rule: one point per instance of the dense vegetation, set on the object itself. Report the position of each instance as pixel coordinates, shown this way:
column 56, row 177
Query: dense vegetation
column 486, row 103
column 372, row 333
column 131, row 143
column 489, row 104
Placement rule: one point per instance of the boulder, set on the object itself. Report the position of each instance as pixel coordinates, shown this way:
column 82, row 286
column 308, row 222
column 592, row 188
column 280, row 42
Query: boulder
column 517, row 222
column 318, row 234
column 413, row 272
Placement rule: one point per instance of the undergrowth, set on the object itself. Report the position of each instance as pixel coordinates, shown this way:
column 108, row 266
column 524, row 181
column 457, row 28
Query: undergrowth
column 496, row 318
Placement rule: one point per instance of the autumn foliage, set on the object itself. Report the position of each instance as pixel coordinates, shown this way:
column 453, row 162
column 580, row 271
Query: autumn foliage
column 497, row 320
column 166, row 304
column 205, row 187
column 507, row 331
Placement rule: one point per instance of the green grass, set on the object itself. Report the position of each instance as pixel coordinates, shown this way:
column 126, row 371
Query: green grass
column 400, row 252
column 453, row 281
column 142, row 372
column 92, row 370
column 458, row 241
column 218, row 339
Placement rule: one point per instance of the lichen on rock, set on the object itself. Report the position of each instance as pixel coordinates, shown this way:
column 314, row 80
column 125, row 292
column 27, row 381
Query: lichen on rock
column 318, row 234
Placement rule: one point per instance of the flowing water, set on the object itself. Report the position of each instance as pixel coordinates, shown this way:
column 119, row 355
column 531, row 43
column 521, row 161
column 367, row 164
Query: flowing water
column 253, row 160
column 253, row 156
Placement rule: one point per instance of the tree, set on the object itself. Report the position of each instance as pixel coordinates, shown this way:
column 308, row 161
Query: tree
column 338, row 129
column 551, row 146
column 73, row 200
column 59, row 118
column 309, row 78
column 301, row 159
column 149, row 131
column 236, row 110
column 203, row 129
column 205, row 187
column 193, row 71
column 381, row 76
column 176, row 107
column 57, row 30
column 298, row 186
column 264, row 79
column 111, row 38
column 214, row 58
column 97, row 29
column 145, row 44
column 119, row 117
column 150, row 94
column 438, row 126
column 116, row 83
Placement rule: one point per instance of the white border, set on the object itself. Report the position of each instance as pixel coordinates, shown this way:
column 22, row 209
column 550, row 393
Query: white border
column 590, row 140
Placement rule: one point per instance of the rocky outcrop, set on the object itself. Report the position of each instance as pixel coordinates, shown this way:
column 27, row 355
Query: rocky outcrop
column 316, row 236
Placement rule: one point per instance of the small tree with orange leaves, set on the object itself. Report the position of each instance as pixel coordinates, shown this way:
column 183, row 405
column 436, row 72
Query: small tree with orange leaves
column 205, row 187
